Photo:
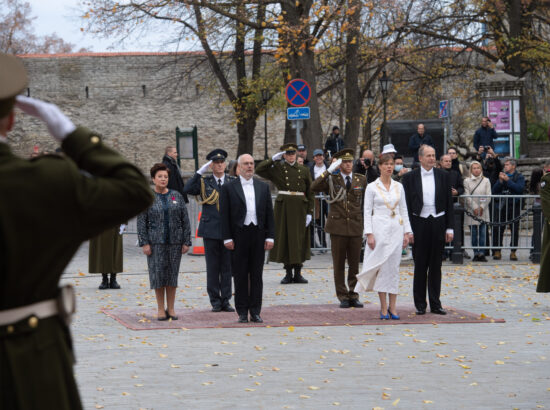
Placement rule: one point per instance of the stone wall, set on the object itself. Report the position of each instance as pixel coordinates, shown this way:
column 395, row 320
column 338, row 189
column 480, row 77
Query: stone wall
column 136, row 100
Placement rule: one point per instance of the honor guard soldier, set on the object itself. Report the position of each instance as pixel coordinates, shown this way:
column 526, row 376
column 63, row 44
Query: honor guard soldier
column 344, row 222
column 49, row 207
column 543, row 284
column 293, row 210
column 218, row 258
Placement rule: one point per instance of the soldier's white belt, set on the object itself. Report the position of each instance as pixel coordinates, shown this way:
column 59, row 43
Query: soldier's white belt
column 291, row 193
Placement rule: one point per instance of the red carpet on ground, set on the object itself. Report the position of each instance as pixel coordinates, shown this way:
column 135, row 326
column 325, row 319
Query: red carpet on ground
column 290, row 315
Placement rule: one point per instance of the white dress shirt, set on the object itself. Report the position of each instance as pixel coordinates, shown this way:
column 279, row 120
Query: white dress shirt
column 250, row 197
column 350, row 175
column 317, row 171
column 428, row 195
column 222, row 178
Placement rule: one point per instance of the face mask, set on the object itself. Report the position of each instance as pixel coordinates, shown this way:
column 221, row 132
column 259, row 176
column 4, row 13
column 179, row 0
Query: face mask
column 399, row 167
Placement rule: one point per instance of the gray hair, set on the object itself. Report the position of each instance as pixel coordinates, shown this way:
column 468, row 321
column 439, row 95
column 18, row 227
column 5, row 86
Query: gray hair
column 512, row 161
column 240, row 157
column 422, row 148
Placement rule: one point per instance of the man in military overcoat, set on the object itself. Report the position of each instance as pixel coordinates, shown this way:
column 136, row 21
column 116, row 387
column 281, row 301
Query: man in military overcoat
column 50, row 205
column 293, row 210
column 543, row 284
column 344, row 222
column 218, row 258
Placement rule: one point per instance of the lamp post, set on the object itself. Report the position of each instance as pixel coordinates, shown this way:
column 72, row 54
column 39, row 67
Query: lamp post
column 384, row 85
column 370, row 102
column 266, row 95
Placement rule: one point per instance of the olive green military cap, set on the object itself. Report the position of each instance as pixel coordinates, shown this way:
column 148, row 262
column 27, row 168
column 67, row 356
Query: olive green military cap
column 290, row 147
column 345, row 154
column 13, row 79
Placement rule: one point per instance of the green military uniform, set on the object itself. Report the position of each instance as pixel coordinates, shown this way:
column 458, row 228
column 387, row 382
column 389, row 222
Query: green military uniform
column 543, row 284
column 345, row 226
column 293, row 203
column 105, row 256
column 49, row 207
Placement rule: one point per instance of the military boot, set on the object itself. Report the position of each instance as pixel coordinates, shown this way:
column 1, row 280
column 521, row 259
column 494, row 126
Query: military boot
column 104, row 282
column 298, row 278
column 113, row 284
column 288, row 277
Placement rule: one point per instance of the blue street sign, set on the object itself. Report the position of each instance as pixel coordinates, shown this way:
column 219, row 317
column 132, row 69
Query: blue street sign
column 298, row 92
column 297, row 113
column 443, row 109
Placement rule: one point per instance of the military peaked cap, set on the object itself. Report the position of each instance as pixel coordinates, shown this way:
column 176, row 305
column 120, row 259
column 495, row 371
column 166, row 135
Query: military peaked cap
column 217, row 154
column 290, row 147
column 13, row 79
column 345, row 154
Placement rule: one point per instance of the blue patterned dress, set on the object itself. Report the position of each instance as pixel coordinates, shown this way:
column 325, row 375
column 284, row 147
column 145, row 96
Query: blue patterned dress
column 165, row 227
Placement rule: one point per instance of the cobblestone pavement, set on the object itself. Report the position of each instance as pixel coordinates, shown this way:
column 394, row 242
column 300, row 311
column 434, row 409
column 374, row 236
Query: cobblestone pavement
column 453, row 366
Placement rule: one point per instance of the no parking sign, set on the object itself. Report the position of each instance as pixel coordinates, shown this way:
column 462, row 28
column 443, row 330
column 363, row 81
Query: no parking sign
column 298, row 92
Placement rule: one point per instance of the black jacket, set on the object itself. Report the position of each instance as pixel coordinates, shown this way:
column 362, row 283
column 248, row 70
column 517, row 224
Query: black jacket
column 210, row 225
column 233, row 208
column 334, row 144
column 491, row 168
column 412, row 182
column 372, row 172
column 415, row 141
column 455, row 179
column 175, row 181
column 485, row 136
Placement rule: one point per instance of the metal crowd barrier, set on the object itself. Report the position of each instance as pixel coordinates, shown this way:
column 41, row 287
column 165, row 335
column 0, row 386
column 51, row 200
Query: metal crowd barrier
column 515, row 222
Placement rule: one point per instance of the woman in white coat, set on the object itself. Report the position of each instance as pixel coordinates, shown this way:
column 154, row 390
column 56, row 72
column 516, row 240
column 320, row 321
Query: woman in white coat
column 387, row 230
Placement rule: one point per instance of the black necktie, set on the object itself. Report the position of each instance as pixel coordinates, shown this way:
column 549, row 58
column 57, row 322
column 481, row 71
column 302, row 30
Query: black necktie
column 220, row 183
column 348, row 182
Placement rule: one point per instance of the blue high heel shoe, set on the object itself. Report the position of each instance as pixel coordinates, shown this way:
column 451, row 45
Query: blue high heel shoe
column 394, row 317
column 384, row 317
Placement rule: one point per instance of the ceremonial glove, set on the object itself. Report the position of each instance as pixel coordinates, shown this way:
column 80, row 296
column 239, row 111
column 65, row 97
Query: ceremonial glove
column 277, row 156
column 334, row 166
column 204, row 168
column 58, row 123
column 308, row 220
column 122, row 229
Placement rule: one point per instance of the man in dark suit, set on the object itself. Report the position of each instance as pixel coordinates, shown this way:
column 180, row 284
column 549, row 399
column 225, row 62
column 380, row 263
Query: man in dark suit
column 175, row 180
column 218, row 258
column 248, row 229
column 430, row 206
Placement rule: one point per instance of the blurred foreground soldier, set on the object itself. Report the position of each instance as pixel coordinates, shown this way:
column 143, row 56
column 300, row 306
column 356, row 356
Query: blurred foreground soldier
column 293, row 210
column 62, row 207
column 218, row 258
column 105, row 256
column 175, row 180
column 543, row 284
column 344, row 223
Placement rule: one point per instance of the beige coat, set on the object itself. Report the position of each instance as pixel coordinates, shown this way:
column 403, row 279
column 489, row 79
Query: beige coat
column 484, row 188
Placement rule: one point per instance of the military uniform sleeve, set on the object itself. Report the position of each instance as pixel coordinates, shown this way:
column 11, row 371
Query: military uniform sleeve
column 117, row 190
column 193, row 186
column 265, row 169
column 309, row 193
column 321, row 183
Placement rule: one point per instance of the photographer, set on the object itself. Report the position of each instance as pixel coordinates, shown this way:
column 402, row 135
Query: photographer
column 366, row 166
column 485, row 135
column 490, row 162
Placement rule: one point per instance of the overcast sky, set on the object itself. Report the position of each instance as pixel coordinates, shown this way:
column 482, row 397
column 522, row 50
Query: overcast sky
column 62, row 17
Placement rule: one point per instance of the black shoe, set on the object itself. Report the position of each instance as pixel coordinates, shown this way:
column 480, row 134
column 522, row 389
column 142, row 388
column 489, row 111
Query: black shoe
column 228, row 308
column 243, row 318
column 104, row 282
column 288, row 277
column 420, row 312
column 344, row 304
column 216, row 308
column 482, row 258
column 164, row 318
column 355, row 303
column 256, row 318
column 169, row 316
column 465, row 254
column 475, row 258
column 113, row 284
column 439, row 311
column 299, row 279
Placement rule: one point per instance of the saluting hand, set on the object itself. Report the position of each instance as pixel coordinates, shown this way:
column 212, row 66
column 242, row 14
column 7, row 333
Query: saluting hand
column 204, row 168
column 58, row 123
column 278, row 156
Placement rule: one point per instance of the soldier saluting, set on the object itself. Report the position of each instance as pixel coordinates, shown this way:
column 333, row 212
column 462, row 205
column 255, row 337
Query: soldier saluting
column 293, row 210
column 344, row 222
column 218, row 258
column 49, row 208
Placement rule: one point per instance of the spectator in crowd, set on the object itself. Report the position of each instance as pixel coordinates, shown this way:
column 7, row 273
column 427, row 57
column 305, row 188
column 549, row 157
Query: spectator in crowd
column 491, row 164
column 389, row 149
column 316, row 169
column 367, row 166
column 458, row 166
column 477, row 184
column 416, row 140
column 510, row 182
column 293, row 211
column 399, row 169
column 175, row 182
column 300, row 160
column 543, row 284
column 457, row 189
column 302, row 153
column 233, row 168
column 345, row 223
column 334, row 142
column 164, row 233
column 485, row 136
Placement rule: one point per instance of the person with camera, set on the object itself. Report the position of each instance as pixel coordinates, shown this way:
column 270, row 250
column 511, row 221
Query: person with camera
column 366, row 166
column 490, row 163
column 485, row 136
